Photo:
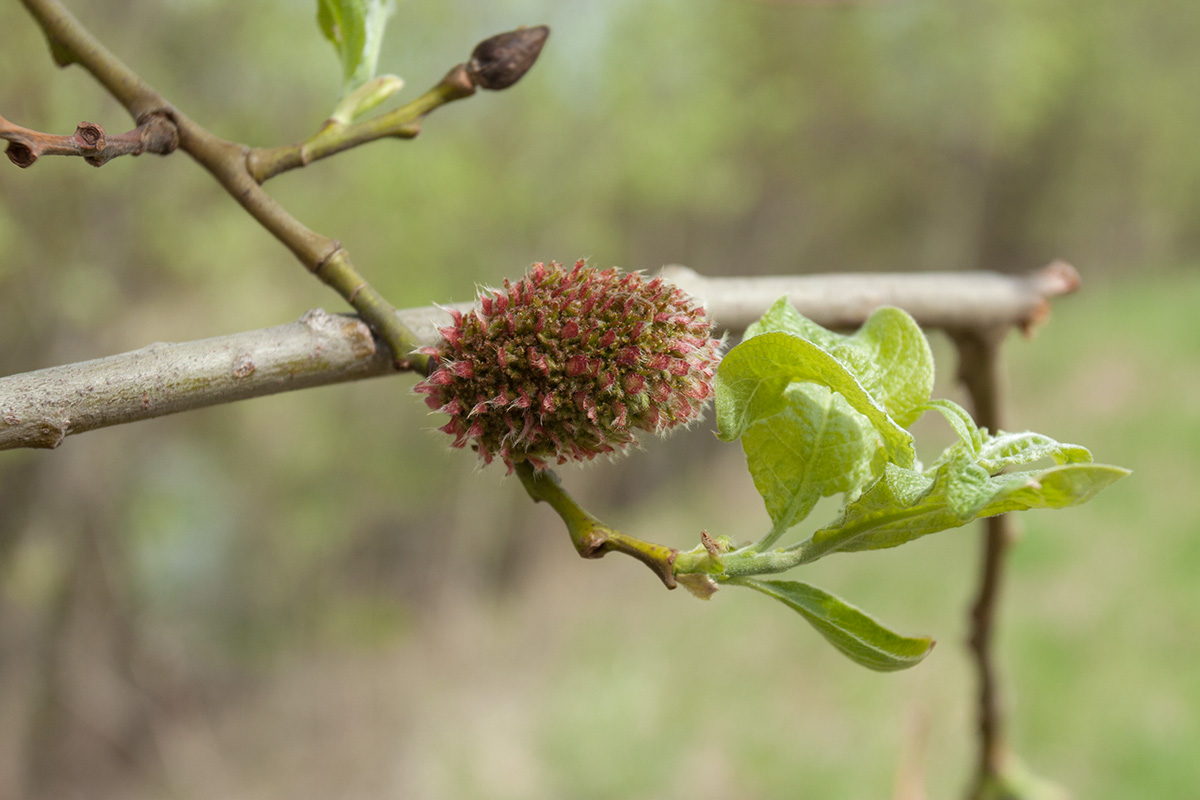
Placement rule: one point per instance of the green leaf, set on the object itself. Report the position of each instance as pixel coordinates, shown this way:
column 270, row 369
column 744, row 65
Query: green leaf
column 365, row 98
column 811, row 405
column 812, row 408
column 355, row 28
column 898, row 364
column 1014, row 449
column 858, row 635
column 902, row 505
column 888, row 355
column 815, row 447
column 753, row 376
column 965, row 427
column 782, row 317
column 1057, row 487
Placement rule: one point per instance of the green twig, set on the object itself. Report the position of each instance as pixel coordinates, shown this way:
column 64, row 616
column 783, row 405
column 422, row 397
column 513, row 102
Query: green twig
column 591, row 537
column 714, row 561
column 334, row 137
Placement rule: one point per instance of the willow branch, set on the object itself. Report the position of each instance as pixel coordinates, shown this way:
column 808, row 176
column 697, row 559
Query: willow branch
column 39, row 409
column 241, row 171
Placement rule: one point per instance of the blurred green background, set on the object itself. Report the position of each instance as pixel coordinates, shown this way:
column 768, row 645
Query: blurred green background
column 308, row 596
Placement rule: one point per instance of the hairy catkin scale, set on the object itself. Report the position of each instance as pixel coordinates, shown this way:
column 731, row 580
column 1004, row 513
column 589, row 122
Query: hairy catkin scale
column 564, row 365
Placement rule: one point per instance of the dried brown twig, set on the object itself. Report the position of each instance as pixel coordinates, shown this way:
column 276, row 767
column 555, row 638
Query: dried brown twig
column 155, row 135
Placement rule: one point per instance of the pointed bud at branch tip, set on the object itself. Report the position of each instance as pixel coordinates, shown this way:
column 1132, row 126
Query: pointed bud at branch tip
column 502, row 60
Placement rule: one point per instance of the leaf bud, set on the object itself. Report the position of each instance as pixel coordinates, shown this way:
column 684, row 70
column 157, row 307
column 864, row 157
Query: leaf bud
column 501, row 60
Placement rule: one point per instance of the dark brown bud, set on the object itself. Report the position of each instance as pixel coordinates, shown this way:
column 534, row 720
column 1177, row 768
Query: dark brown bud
column 500, row 61
column 90, row 136
column 20, row 155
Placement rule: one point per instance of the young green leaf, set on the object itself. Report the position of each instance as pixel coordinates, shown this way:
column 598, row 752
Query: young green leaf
column 858, row 635
column 1014, row 449
column 968, row 433
column 811, row 405
column 888, row 355
column 903, row 505
column 365, row 98
column 782, row 317
column 815, row 447
column 752, row 377
column 1056, row 487
column 898, row 364
column 355, row 29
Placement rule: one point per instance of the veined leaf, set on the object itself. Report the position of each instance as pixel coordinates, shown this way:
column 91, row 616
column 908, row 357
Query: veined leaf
column 1057, row 487
column 966, row 429
column 782, row 317
column 898, row 370
column 752, row 378
column 903, row 505
column 1014, row 449
column 858, row 635
column 888, row 355
column 817, row 446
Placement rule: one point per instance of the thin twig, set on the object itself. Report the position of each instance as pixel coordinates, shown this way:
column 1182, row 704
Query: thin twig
column 497, row 63
column 25, row 146
column 39, row 409
column 591, row 537
column 979, row 370
column 401, row 123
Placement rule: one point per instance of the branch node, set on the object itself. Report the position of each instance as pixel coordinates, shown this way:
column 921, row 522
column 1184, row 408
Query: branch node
column 243, row 366
column 457, row 83
column 20, row 155
column 320, row 267
column 89, row 136
column 159, row 132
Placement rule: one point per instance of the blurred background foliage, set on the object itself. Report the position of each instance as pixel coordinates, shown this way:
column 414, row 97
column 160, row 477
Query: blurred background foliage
column 307, row 596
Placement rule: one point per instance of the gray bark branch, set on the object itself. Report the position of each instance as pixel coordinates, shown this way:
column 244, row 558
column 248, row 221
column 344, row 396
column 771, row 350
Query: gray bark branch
column 40, row 409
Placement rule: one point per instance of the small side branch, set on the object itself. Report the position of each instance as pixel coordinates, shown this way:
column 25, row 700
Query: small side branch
column 591, row 537
column 335, row 137
column 155, row 135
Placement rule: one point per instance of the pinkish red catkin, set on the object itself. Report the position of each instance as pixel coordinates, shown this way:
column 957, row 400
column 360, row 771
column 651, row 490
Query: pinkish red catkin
column 563, row 365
